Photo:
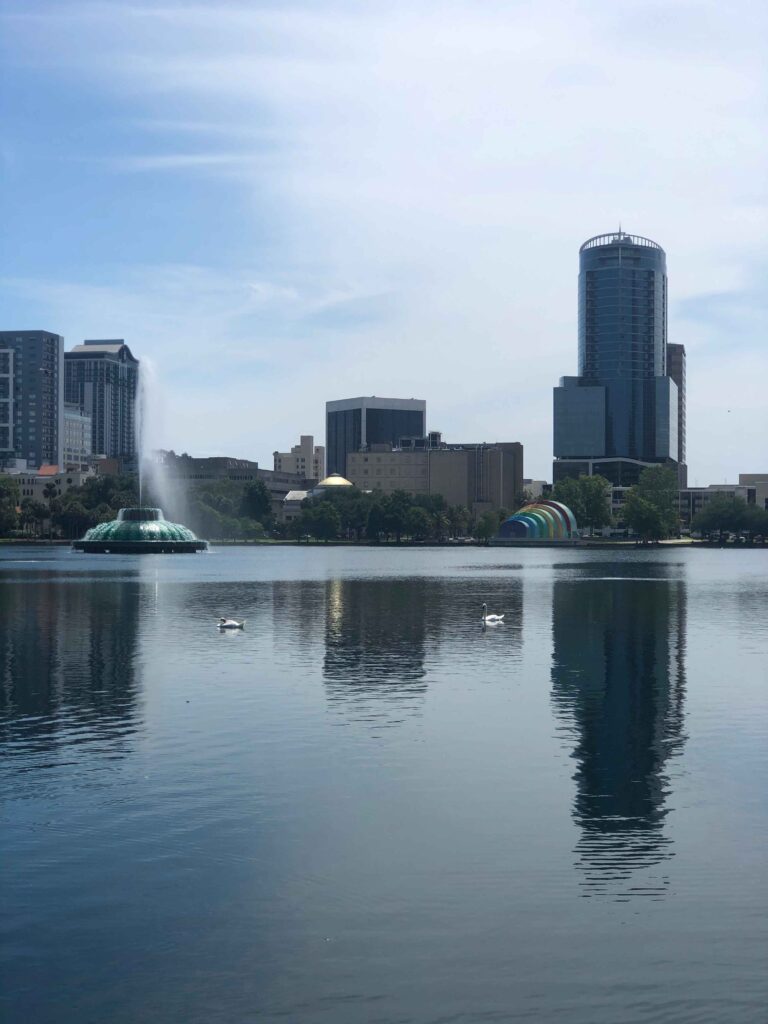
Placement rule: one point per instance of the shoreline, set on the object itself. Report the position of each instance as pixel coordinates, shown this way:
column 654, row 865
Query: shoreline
column 584, row 544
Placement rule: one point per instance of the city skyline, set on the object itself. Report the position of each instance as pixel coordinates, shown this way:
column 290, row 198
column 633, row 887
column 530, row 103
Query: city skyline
column 278, row 208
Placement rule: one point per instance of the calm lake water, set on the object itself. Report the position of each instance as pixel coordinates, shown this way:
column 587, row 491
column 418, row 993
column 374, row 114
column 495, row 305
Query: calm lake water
column 366, row 808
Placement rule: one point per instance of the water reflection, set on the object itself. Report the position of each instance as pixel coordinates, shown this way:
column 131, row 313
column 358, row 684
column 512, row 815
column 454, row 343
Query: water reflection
column 67, row 655
column 380, row 636
column 375, row 639
column 618, row 681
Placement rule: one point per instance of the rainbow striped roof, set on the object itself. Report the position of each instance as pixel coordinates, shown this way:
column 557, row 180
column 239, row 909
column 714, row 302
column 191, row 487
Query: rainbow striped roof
column 542, row 520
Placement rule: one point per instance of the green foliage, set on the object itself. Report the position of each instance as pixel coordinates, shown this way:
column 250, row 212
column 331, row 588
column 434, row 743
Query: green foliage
column 116, row 491
column 378, row 516
column 256, row 502
column 643, row 517
column 588, row 497
column 418, row 523
column 487, row 526
column 96, row 501
column 596, row 498
column 650, row 509
column 74, row 518
column 9, row 500
column 459, row 518
column 376, row 522
column 325, row 522
column 396, row 507
column 570, row 492
column 658, row 485
column 32, row 515
column 723, row 514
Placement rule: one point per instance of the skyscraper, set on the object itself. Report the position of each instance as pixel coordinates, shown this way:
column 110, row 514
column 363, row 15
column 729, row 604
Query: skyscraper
column 355, row 423
column 31, row 397
column 102, row 378
column 676, row 370
column 621, row 412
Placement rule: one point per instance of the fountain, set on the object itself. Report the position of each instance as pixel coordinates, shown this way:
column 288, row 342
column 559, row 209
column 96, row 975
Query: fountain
column 138, row 531
column 144, row 530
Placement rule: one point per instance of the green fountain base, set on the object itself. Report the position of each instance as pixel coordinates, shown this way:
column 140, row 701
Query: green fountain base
column 140, row 531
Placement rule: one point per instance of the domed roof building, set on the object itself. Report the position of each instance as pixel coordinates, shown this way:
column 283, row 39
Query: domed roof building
column 140, row 531
column 334, row 480
column 541, row 520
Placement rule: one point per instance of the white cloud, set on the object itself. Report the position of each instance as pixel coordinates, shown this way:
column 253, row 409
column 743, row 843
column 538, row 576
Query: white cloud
column 436, row 167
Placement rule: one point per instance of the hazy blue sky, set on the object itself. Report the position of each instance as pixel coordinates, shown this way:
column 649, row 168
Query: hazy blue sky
column 281, row 204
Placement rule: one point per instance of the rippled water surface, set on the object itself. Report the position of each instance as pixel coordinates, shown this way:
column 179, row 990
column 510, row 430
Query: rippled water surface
column 365, row 807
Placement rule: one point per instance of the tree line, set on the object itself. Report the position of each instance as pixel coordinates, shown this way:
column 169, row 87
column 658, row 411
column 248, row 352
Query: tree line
column 382, row 518
column 228, row 510
column 67, row 514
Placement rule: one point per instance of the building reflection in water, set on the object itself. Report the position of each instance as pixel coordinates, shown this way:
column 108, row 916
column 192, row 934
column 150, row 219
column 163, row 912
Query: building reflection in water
column 67, row 663
column 618, row 681
column 375, row 642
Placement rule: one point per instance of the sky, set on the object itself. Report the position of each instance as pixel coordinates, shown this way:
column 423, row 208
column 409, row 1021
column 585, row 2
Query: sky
column 280, row 204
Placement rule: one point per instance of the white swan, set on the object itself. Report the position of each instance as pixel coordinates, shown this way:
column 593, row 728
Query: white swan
column 230, row 624
column 492, row 617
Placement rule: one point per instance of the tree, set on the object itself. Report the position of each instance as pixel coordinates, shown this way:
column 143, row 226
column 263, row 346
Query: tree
column 595, row 493
column 376, row 523
column 27, row 517
column 256, row 502
column 441, row 525
column 395, row 510
column 756, row 522
column 658, row 485
column 325, row 522
column 459, row 520
column 570, row 493
column 9, row 500
column 722, row 514
column 487, row 526
column 418, row 523
column 643, row 517
column 74, row 518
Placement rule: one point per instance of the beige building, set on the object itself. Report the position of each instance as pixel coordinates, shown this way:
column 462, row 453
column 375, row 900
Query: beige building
column 478, row 476
column 33, row 484
column 305, row 459
column 758, row 481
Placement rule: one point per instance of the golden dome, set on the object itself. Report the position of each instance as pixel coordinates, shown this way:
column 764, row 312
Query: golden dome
column 335, row 480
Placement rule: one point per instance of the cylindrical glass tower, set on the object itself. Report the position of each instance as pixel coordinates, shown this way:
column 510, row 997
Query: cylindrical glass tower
column 622, row 307
column 623, row 334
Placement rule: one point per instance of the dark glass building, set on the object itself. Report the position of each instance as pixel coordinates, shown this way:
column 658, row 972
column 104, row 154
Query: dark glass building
column 102, row 378
column 622, row 408
column 352, row 424
column 31, row 398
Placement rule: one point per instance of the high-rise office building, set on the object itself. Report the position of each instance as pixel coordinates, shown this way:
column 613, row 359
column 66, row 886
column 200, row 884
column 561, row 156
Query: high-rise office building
column 676, row 370
column 102, row 378
column 78, row 433
column 352, row 424
column 621, row 412
column 31, row 398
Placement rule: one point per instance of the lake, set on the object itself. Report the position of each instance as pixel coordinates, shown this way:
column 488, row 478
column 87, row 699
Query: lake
column 365, row 807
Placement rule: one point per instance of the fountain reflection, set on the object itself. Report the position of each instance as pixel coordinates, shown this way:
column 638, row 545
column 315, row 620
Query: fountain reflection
column 618, row 681
column 67, row 655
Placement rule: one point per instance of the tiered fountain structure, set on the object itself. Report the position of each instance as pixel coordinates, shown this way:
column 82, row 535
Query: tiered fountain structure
column 140, row 531
column 144, row 530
